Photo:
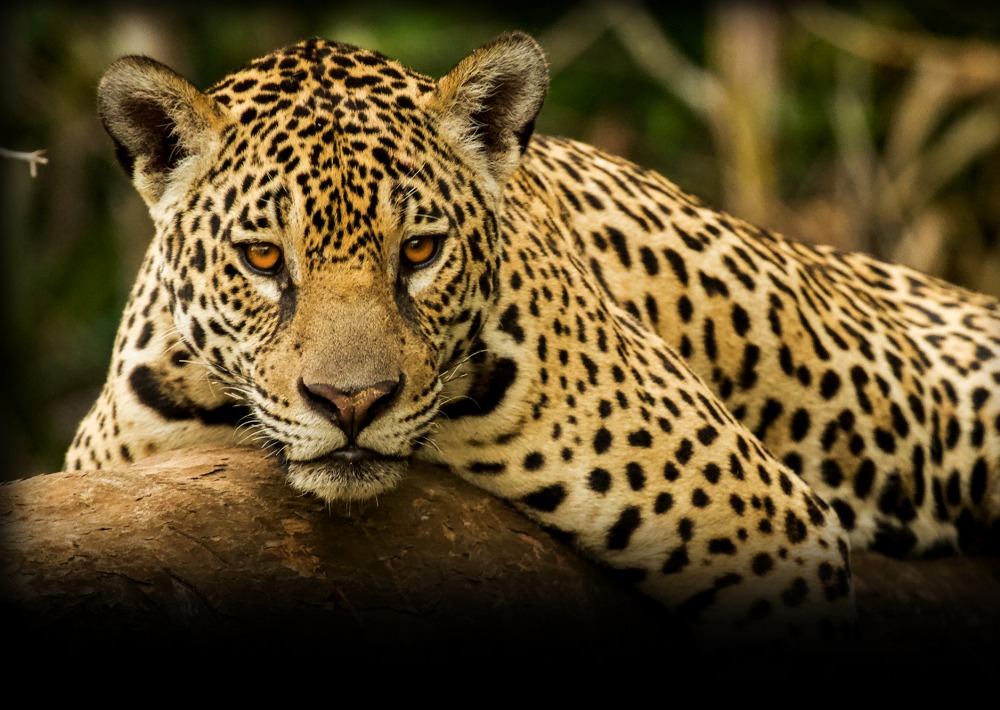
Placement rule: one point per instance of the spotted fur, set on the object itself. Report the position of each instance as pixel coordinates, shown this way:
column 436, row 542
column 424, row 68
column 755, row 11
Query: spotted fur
column 702, row 405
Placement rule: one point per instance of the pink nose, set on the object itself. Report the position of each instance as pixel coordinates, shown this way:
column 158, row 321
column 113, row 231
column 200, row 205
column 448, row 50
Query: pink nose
column 354, row 410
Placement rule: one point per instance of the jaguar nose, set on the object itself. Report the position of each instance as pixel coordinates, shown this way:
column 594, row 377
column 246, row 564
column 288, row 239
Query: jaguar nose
column 351, row 410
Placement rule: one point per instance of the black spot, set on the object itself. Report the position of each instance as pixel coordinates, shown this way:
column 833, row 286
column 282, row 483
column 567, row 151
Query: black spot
column 649, row 261
column 721, row 546
column 621, row 532
column 814, row 506
column 899, row 423
column 977, row 483
column 510, row 325
column 795, row 529
column 198, row 260
column 699, row 498
column 748, row 376
column 712, row 285
column 677, row 265
column 741, row 320
column 685, row 528
column 829, row 385
column 486, row 393
column 676, row 561
column 952, row 433
column 186, row 292
column 684, row 452
column 652, row 309
column 785, row 360
column 830, row 434
column 708, row 339
column 640, row 438
column 148, row 389
column 845, row 512
column 735, row 467
column 762, row 564
column 885, row 440
column 737, row 504
column 663, row 503
column 860, row 379
column 800, row 424
column 863, row 478
column 546, row 499
column 591, row 368
column 670, row 471
column 712, row 472
column 978, row 434
column 707, row 434
column 830, row 470
column 533, row 461
column 620, row 244
column 602, row 440
column 684, row 308
column 636, row 476
column 144, row 335
column 771, row 410
column 599, row 480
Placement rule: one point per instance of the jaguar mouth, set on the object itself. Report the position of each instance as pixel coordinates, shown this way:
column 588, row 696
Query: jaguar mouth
column 350, row 473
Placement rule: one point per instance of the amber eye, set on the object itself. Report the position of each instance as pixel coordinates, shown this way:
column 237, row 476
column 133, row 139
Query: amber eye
column 263, row 256
column 421, row 250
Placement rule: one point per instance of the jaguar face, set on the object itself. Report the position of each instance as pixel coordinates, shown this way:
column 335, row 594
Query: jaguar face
column 327, row 231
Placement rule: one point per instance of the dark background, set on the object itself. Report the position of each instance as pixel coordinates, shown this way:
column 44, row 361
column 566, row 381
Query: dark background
column 872, row 126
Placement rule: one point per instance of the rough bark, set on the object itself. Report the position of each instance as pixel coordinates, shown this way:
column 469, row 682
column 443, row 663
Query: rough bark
column 210, row 549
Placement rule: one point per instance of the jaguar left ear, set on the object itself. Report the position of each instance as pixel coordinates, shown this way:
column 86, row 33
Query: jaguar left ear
column 158, row 121
column 488, row 103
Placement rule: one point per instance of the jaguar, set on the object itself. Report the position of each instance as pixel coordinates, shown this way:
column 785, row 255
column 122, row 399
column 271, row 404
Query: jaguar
column 355, row 266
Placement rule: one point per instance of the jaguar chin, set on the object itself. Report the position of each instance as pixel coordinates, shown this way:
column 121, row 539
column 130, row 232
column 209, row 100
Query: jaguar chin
column 347, row 474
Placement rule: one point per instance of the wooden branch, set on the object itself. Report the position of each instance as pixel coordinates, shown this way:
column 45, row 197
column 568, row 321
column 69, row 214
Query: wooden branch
column 210, row 549
column 212, row 546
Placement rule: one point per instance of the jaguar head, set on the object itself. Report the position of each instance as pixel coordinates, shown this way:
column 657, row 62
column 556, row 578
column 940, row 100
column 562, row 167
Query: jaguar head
column 327, row 235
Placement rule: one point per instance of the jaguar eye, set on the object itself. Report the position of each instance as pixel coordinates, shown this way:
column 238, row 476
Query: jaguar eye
column 421, row 250
column 263, row 256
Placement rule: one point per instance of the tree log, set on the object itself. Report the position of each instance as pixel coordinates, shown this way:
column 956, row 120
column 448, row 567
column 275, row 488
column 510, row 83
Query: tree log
column 210, row 549
column 212, row 546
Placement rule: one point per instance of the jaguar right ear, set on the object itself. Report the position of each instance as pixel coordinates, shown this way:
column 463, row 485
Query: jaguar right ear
column 159, row 121
column 488, row 103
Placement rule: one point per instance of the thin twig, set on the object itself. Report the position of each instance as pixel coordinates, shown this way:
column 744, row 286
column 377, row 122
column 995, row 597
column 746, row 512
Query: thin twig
column 33, row 158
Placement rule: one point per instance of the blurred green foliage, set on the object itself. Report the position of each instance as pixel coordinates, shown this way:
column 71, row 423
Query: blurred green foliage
column 870, row 127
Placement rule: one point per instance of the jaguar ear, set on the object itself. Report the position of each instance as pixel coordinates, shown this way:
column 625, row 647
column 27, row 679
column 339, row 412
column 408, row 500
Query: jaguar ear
column 158, row 120
column 488, row 103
